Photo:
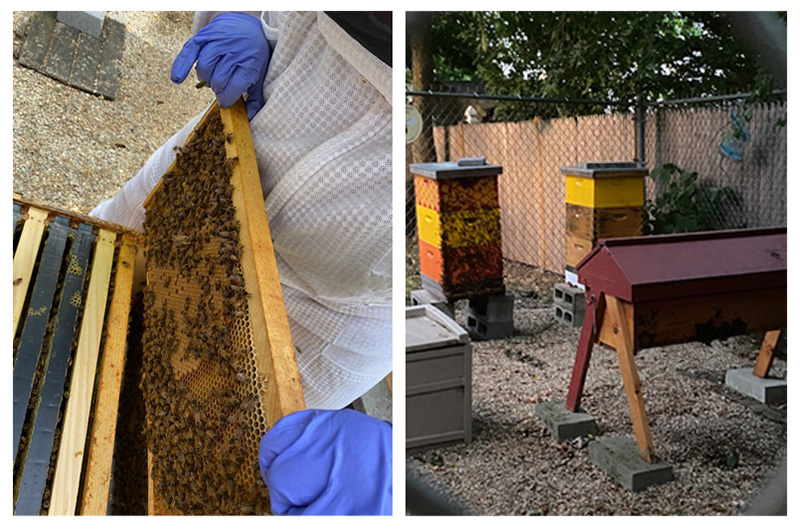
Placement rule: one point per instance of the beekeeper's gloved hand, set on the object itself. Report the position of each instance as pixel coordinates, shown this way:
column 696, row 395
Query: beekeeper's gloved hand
column 328, row 463
column 232, row 55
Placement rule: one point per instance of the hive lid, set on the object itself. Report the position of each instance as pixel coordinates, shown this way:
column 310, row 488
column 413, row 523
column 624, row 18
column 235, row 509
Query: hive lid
column 465, row 168
column 668, row 266
column 427, row 328
column 596, row 170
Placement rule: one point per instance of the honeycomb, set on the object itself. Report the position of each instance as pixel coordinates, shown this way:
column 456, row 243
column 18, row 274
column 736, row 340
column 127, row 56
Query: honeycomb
column 200, row 381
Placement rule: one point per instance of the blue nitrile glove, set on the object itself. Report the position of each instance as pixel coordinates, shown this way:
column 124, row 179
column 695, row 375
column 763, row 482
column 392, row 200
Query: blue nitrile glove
column 232, row 55
column 328, row 463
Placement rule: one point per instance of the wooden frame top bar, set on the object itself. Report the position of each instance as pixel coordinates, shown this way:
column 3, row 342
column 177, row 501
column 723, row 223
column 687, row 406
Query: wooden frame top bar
column 96, row 222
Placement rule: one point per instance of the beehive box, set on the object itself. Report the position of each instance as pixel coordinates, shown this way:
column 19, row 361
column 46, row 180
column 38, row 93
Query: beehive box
column 458, row 221
column 438, row 379
column 603, row 200
column 218, row 365
column 73, row 279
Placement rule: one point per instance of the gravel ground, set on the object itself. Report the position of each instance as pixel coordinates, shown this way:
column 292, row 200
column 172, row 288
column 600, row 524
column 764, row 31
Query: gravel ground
column 514, row 467
column 75, row 150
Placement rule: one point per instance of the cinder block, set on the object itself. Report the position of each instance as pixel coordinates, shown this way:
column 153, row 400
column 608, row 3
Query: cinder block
column 765, row 390
column 569, row 296
column 568, row 317
column 89, row 22
column 481, row 329
column 423, row 296
column 564, row 424
column 619, row 458
column 491, row 317
column 493, row 308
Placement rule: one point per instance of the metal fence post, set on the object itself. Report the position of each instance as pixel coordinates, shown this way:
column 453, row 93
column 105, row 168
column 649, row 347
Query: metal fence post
column 640, row 119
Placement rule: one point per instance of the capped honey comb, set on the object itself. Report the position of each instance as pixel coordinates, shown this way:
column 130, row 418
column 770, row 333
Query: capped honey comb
column 218, row 362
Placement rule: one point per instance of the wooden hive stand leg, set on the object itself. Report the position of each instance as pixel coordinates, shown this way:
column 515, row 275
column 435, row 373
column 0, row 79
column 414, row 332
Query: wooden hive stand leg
column 767, row 353
column 591, row 324
column 623, row 334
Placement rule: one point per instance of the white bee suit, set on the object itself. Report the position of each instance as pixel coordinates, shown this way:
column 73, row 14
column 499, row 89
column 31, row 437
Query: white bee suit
column 323, row 145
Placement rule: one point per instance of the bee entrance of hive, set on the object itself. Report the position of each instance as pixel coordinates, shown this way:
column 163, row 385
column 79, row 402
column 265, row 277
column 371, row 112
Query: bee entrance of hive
column 218, row 366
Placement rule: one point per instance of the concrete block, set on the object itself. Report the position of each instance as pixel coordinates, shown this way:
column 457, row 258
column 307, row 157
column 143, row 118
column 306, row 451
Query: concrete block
column 481, row 329
column 619, row 458
column 765, row 390
column 568, row 317
column 569, row 297
column 493, row 308
column 89, row 22
column 423, row 296
column 491, row 317
column 564, row 424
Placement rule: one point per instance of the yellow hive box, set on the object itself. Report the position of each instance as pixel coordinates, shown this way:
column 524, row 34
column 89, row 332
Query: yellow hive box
column 605, row 185
column 464, row 228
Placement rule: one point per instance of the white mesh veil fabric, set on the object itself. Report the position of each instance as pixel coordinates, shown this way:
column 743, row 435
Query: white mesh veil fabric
column 323, row 145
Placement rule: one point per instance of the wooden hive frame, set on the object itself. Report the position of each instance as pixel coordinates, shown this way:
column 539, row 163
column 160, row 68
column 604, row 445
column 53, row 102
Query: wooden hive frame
column 106, row 254
column 283, row 393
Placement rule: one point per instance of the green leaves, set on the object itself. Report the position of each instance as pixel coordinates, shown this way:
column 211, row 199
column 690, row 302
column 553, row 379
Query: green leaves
column 593, row 55
column 685, row 203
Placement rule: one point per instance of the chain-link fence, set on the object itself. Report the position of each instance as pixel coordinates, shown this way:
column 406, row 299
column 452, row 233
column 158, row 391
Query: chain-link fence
column 738, row 152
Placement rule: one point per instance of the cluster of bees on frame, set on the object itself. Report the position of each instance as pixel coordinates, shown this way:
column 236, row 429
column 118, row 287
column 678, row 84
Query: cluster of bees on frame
column 203, row 424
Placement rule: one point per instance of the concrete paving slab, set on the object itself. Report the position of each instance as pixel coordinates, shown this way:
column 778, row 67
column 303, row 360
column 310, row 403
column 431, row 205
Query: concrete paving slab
column 65, row 43
column 765, row 390
column 564, row 424
column 85, row 66
column 74, row 57
column 113, row 40
column 40, row 34
column 619, row 458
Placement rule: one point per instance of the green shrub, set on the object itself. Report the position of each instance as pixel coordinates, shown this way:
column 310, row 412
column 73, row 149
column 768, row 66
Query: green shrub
column 686, row 203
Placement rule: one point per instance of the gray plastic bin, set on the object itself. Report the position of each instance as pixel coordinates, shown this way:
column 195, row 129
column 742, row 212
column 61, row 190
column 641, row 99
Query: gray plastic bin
column 438, row 379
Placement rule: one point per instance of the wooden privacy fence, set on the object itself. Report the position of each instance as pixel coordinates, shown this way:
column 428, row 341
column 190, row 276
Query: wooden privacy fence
column 531, row 187
column 532, row 191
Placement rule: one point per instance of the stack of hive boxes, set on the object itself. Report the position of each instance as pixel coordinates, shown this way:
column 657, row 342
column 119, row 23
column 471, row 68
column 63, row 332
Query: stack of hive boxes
column 604, row 200
column 458, row 221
